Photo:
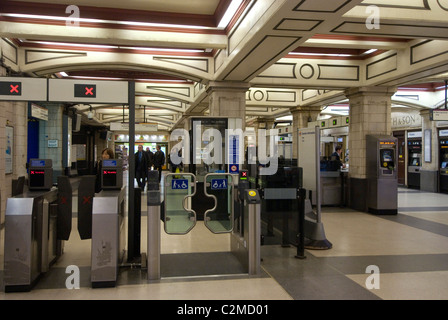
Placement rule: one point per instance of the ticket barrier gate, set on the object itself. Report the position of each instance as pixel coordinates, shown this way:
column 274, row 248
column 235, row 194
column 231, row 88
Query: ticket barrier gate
column 36, row 224
column 179, row 218
column 108, row 236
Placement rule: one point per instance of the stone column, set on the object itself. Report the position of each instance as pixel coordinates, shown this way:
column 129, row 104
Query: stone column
column 12, row 114
column 300, row 118
column 430, row 170
column 228, row 99
column 262, row 123
column 370, row 113
column 52, row 130
column 265, row 124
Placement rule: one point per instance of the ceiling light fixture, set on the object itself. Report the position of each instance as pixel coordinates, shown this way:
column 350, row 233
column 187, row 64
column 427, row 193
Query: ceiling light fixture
column 320, row 54
column 230, row 12
column 129, row 23
column 370, row 51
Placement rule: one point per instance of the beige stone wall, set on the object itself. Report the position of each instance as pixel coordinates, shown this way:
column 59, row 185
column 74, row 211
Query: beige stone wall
column 431, row 125
column 12, row 114
column 300, row 117
column 370, row 113
column 228, row 99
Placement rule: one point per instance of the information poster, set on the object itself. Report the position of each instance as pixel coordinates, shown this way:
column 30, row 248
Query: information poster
column 427, row 143
column 308, row 159
column 9, row 149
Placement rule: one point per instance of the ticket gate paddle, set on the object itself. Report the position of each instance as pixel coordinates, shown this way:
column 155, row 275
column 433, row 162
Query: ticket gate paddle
column 179, row 218
column 220, row 187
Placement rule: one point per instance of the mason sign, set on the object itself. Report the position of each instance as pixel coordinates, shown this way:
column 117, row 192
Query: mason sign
column 405, row 120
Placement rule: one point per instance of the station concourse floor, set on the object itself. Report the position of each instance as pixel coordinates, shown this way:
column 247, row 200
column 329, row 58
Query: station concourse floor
column 410, row 249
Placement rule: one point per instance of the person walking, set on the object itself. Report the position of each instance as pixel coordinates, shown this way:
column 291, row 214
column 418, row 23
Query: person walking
column 150, row 158
column 141, row 167
column 159, row 161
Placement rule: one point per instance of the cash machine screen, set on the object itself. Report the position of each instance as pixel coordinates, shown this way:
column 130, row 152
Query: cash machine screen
column 37, row 163
column 387, row 160
column 109, row 178
column 109, row 163
column 37, row 178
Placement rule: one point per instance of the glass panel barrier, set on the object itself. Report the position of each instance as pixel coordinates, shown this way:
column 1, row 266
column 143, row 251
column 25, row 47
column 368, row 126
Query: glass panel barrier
column 220, row 187
column 179, row 217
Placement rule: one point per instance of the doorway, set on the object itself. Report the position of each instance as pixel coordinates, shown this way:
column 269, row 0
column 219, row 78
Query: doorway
column 401, row 143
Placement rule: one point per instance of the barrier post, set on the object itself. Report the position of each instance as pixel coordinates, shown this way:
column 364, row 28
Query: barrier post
column 300, row 225
column 154, row 202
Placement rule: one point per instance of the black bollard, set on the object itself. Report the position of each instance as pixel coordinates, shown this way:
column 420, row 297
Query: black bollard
column 300, row 226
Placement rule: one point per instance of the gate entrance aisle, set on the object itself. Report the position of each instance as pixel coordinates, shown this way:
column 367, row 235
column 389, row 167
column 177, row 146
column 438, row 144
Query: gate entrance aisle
column 191, row 248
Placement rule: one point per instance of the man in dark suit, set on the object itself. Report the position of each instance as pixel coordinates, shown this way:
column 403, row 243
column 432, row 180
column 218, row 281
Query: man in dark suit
column 150, row 158
column 141, row 167
column 159, row 161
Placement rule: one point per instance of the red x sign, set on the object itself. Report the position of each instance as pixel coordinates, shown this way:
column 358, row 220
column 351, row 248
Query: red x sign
column 10, row 88
column 89, row 91
column 85, row 90
column 63, row 200
column 14, row 88
column 86, row 200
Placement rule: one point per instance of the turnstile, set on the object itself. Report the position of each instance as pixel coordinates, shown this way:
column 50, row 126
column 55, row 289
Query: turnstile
column 179, row 218
column 108, row 237
column 36, row 223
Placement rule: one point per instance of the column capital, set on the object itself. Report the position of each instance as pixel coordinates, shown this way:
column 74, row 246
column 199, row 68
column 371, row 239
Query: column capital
column 305, row 109
column 425, row 112
column 370, row 91
column 264, row 119
column 227, row 86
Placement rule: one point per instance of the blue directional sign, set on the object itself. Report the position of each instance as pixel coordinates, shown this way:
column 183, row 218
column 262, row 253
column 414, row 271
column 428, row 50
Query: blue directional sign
column 177, row 184
column 233, row 154
column 219, row 184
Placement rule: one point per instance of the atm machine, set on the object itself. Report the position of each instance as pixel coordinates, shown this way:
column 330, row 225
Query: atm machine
column 414, row 159
column 40, row 174
column 382, row 193
column 443, row 171
column 112, row 174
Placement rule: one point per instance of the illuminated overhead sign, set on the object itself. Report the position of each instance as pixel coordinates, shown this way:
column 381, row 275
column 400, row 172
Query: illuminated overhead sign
column 23, row 89
column 10, row 88
column 63, row 90
column 85, row 91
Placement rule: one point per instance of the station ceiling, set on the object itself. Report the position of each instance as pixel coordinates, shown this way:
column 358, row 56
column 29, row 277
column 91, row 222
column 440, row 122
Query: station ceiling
column 291, row 52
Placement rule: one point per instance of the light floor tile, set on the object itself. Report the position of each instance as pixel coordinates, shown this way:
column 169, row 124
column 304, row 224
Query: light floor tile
column 355, row 233
column 434, row 216
column 426, row 199
column 241, row 289
column 409, row 286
